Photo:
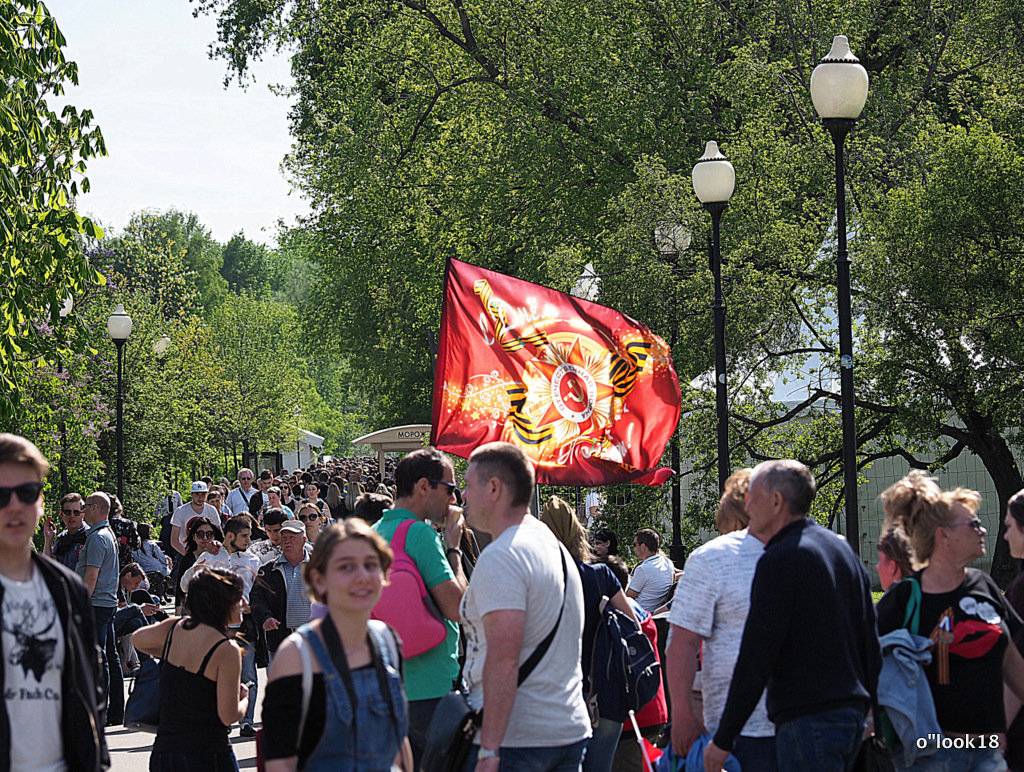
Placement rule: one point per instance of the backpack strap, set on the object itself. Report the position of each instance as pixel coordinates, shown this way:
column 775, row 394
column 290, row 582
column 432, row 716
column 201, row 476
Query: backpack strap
column 401, row 534
column 538, row 654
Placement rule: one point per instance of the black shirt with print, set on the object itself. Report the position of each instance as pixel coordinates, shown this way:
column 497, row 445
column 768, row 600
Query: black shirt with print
column 982, row 624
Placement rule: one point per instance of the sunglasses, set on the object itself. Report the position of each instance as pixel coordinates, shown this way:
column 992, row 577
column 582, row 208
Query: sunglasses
column 312, row 516
column 204, row 534
column 452, row 487
column 245, row 479
column 27, row 493
column 976, row 524
column 71, row 511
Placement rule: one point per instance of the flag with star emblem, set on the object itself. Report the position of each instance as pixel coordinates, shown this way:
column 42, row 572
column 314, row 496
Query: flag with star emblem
column 590, row 394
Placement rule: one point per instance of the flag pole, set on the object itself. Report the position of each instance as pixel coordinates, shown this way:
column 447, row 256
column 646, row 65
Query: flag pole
column 442, row 353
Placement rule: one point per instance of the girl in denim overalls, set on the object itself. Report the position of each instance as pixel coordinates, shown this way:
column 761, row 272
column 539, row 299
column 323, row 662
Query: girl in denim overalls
column 351, row 715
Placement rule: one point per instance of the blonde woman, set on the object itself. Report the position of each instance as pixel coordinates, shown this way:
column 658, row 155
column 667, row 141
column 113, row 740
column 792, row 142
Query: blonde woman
column 962, row 611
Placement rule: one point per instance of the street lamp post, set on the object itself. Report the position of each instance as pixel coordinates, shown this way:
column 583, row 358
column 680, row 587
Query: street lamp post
column 671, row 239
column 298, row 438
column 839, row 89
column 119, row 326
column 714, row 180
column 66, row 307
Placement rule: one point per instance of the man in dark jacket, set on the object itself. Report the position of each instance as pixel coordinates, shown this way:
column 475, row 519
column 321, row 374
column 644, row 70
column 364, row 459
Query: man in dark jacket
column 810, row 634
column 278, row 601
column 50, row 663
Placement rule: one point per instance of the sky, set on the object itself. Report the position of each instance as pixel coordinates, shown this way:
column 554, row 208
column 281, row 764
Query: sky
column 175, row 136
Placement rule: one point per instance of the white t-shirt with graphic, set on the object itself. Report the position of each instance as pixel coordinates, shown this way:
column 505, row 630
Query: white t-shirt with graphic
column 33, row 652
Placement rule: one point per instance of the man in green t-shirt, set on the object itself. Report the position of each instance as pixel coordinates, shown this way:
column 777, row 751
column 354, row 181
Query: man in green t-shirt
column 425, row 482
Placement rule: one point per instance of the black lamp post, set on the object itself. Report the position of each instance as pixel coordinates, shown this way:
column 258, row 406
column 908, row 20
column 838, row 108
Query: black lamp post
column 119, row 326
column 65, row 310
column 839, row 89
column 671, row 239
column 714, row 180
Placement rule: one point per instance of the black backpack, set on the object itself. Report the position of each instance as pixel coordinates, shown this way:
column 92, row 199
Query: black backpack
column 624, row 670
column 165, row 535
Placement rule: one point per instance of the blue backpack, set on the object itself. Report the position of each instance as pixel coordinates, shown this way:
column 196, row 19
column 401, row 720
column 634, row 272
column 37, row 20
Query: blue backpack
column 624, row 670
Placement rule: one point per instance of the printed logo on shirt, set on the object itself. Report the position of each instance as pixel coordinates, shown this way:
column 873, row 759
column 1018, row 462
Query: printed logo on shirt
column 30, row 622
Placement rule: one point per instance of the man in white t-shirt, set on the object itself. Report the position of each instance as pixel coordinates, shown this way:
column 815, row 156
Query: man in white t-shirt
column 513, row 602
column 48, row 663
column 238, row 499
column 197, row 507
column 653, row 578
column 713, row 598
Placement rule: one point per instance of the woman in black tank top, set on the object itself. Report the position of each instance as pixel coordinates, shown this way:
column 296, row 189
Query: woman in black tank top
column 200, row 670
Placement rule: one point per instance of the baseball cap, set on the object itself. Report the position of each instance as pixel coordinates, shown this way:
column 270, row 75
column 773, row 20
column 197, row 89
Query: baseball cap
column 294, row 526
column 199, row 487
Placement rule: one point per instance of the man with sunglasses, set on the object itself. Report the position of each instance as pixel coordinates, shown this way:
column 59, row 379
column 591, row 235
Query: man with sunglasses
column 425, row 481
column 49, row 691
column 68, row 543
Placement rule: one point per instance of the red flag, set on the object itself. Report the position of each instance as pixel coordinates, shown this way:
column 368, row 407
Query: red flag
column 587, row 392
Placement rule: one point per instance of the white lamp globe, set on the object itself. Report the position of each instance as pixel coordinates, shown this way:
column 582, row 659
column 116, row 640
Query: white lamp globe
column 839, row 85
column 714, row 179
column 119, row 325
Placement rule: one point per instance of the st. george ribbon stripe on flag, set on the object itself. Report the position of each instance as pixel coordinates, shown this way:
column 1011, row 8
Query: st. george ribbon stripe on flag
column 587, row 392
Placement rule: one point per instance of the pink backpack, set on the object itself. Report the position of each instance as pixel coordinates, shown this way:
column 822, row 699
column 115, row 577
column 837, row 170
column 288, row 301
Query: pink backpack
column 403, row 603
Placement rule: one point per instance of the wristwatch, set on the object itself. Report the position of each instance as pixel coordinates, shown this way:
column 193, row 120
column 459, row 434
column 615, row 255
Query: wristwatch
column 456, row 550
column 486, row 753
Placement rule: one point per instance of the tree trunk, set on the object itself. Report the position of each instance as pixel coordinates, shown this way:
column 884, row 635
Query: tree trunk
column 998, row 459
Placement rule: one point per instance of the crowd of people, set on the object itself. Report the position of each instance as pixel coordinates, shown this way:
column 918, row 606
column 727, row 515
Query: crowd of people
column 775, row 656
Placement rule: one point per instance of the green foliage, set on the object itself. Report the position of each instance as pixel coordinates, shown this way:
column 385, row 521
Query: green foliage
column 42, row 167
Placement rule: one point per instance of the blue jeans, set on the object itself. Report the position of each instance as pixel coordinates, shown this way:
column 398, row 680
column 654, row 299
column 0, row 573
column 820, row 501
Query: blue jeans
column 824, row 742
column 551, row 758
column 953, row 760
column 113, row 679
column 602, row 745
column 249, row 676
column 755, row 754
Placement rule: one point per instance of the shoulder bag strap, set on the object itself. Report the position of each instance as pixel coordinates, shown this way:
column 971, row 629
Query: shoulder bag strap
column 538, row 654
column 912, row 618
column 307, row 684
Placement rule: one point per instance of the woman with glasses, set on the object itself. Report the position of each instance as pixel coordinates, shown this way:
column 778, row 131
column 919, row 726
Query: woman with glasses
column 311, row 517
column 963, row 612
column 203, row 535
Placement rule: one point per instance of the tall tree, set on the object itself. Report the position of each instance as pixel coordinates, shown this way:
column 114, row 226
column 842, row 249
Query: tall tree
column 535, row 137
column 43, row 169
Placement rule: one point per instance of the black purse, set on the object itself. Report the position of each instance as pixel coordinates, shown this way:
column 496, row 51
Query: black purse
column 455, row 723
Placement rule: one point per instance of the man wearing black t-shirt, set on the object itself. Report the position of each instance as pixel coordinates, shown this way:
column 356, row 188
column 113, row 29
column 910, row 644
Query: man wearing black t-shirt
column 810, row 635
